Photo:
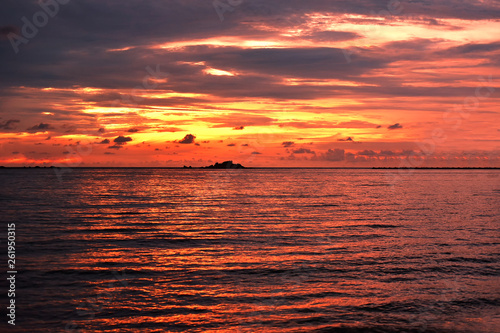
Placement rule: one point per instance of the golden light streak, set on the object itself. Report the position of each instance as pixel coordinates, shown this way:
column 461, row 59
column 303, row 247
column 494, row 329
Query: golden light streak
column 120, row 50
column 217, row 72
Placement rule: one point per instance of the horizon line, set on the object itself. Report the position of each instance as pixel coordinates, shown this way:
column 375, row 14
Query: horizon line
column 248, row 168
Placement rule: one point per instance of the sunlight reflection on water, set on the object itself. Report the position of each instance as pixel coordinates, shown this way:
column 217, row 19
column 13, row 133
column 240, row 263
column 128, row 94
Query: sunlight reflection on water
column 256, row 250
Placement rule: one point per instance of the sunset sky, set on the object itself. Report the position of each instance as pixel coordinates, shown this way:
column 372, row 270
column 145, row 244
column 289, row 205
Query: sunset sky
column 266, row 83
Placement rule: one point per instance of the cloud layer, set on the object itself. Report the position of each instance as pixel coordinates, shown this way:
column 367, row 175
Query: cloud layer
column 272, row 83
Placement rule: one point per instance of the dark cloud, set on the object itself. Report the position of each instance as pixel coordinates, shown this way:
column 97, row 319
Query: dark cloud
column 335, row 155
column 66, row 39
column 387, row 153
column 322, row 36
column 116, row 146
column 471, row 48
column 231, row 145
column 303, row 151
column 133, row 130
column 188, row 139
column 367, row 153
column 288, row 144
column 319, row 62
column 395, row 126
column 40, row 128
column 256, row 153
column 104, row 142
column 6, row 30
column 121, row 140
column 9, row 124
column 349, row 139
column 239, row 128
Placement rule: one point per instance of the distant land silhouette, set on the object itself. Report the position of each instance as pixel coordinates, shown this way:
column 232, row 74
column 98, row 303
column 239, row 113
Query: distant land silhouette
column 224, row 165
column 231, row 165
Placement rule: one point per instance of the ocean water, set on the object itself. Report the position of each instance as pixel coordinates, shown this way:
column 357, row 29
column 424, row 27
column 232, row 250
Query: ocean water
column 262, row 250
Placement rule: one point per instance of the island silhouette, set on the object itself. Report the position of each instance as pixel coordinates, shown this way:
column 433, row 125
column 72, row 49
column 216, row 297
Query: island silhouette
column 224, row 165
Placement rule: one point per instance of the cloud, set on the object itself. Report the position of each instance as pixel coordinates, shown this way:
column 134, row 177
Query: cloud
column 313, row 62
column 40, row 128
column 117, row 146
column 332, row 35
column 9, row 124
column 303, row 151
column 6, row 30
column 288, row 144
column 395, row 126
column 133, row 130
column 281, row 52
column 104, row 142
column 121, row 140
column 471, row 48
column 387, row 153
column 231, row 145
column 335, row 155
column 188, row 139
column 256, row 153
column 367, row 153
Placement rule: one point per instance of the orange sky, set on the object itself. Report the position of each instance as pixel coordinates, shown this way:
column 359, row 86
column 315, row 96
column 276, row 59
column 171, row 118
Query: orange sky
column 262, row 84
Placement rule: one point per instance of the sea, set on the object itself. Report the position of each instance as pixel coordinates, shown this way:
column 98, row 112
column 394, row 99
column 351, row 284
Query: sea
column 251, row 250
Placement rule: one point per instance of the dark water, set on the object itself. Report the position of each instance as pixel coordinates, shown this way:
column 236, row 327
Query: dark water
column 155, row 250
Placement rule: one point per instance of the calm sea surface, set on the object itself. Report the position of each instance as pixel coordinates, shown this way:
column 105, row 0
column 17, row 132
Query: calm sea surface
column 158, row 250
